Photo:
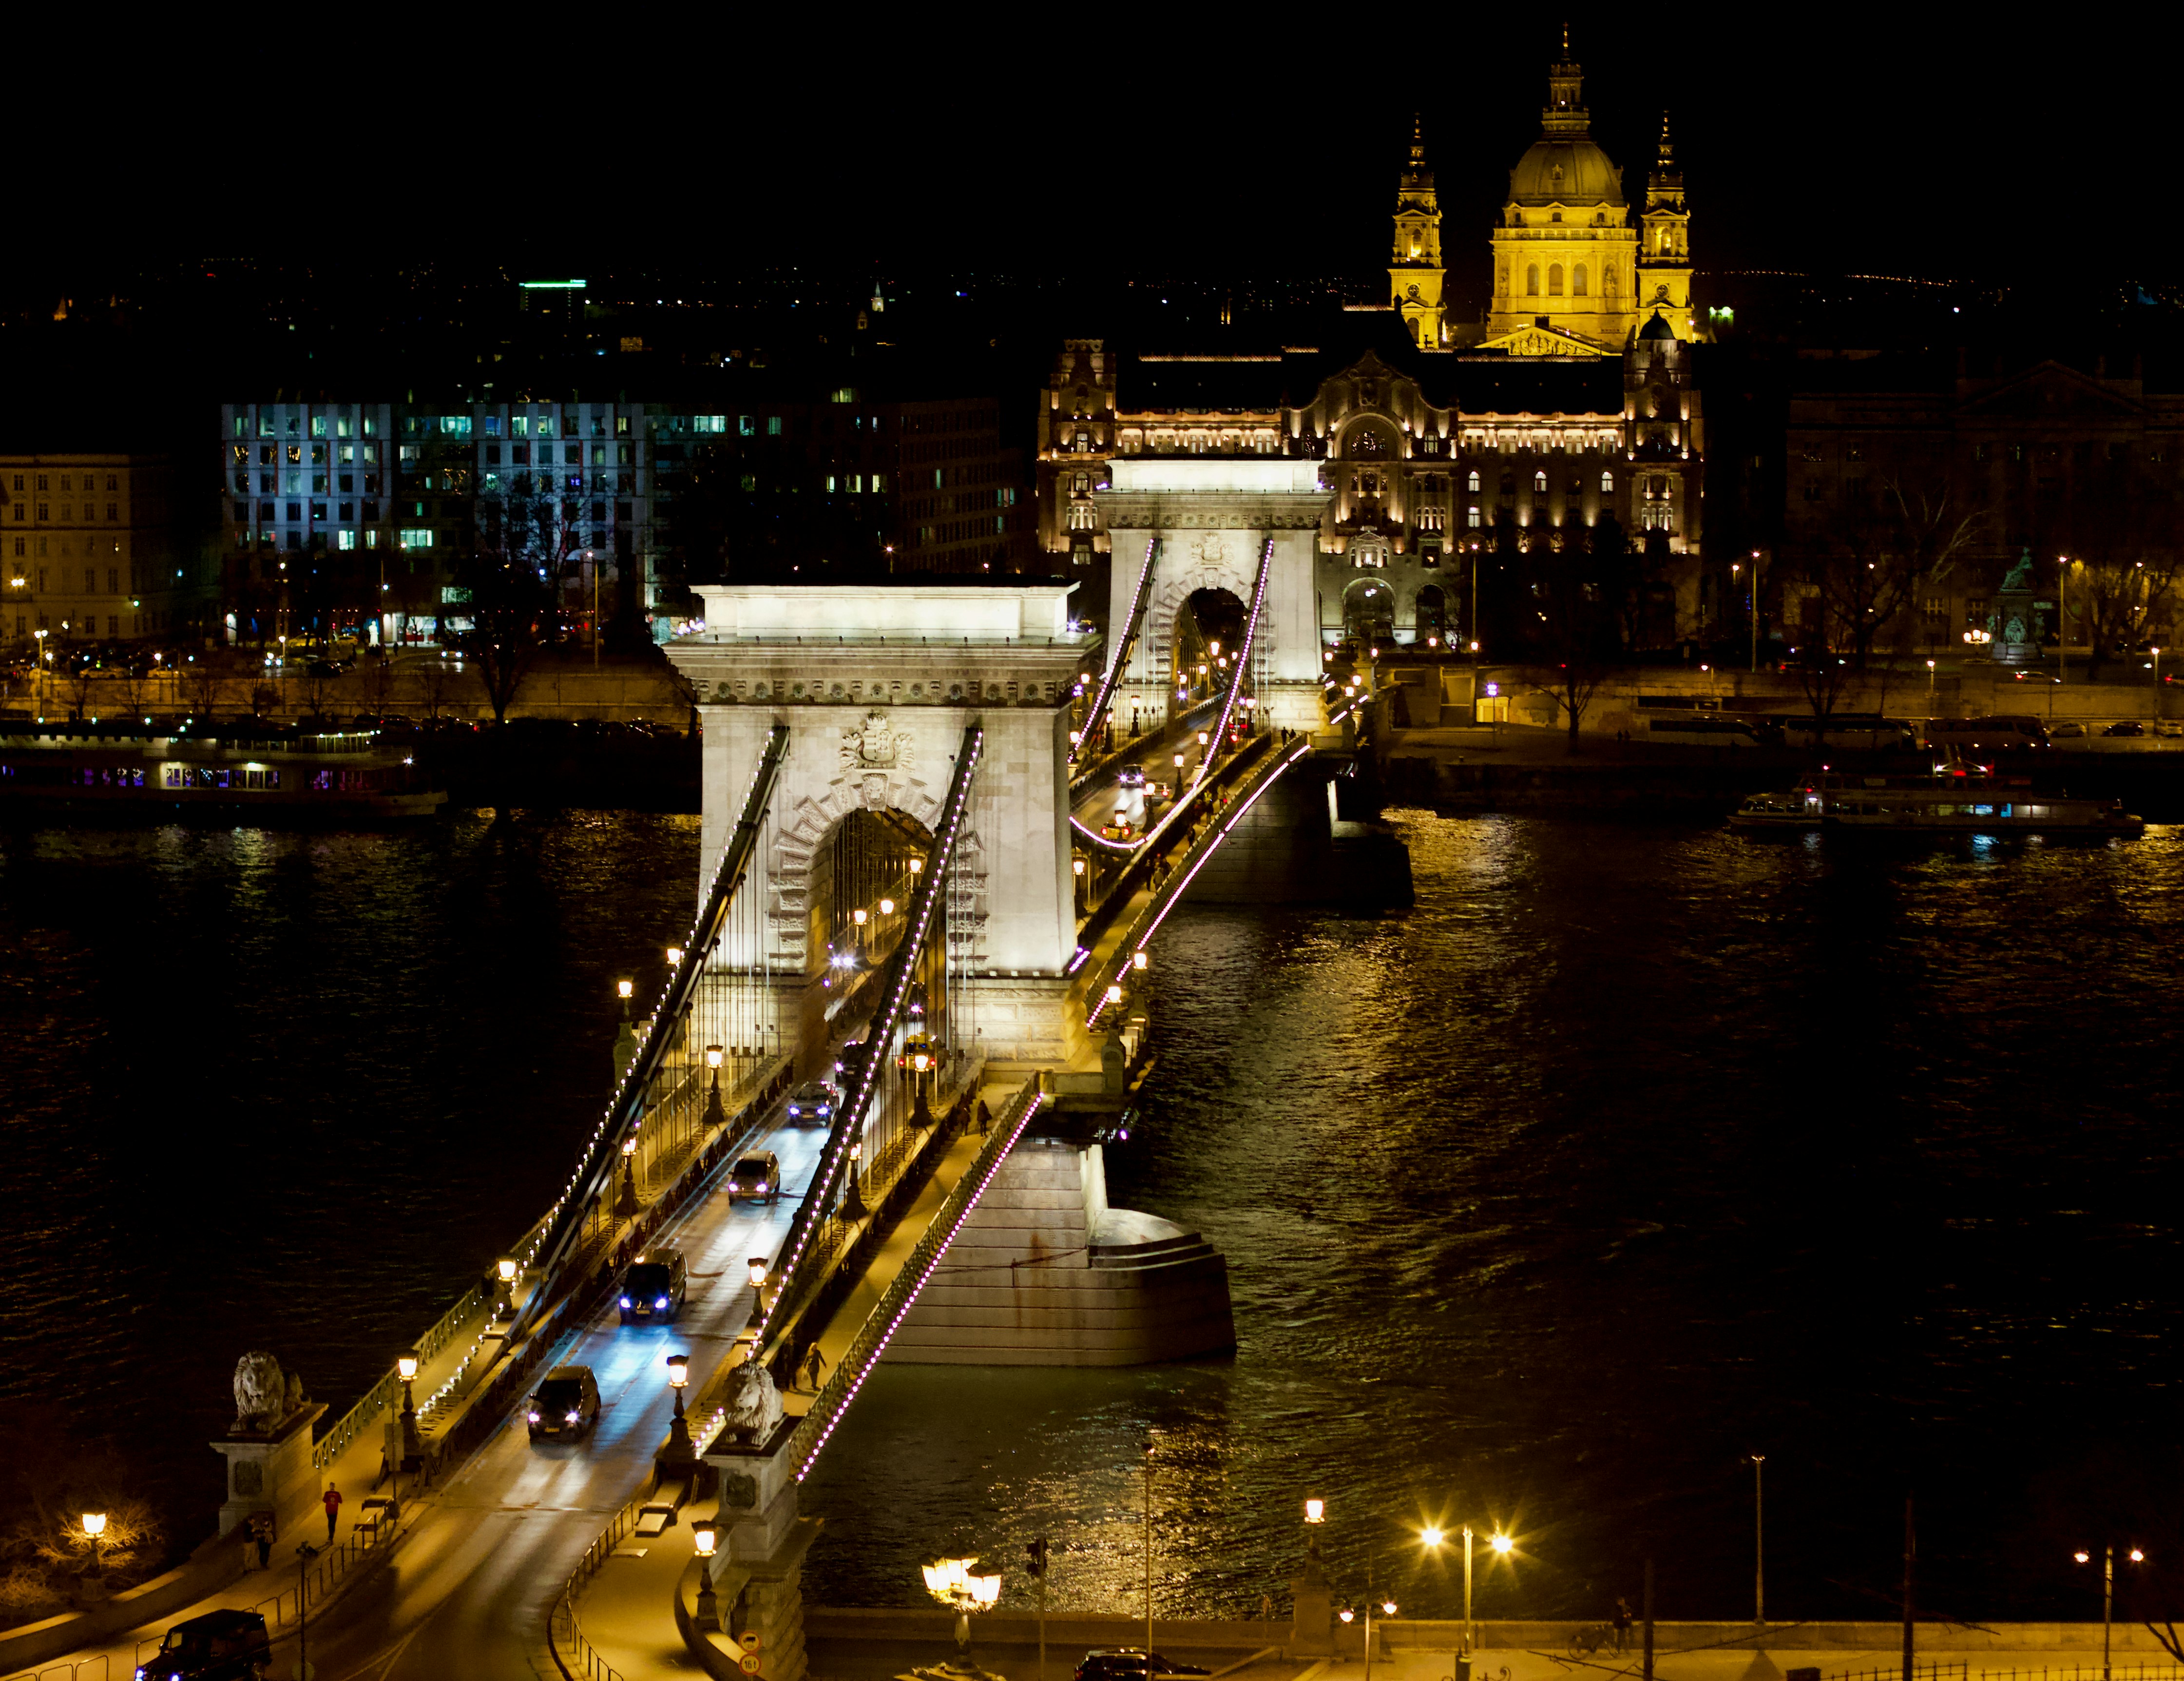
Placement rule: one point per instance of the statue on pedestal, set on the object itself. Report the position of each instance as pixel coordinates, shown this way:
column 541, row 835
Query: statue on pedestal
column 753, row 1404
column 265, row 1397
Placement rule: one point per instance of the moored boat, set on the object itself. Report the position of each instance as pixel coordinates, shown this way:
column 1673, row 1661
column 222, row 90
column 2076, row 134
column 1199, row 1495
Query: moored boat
column 1956, row 798
column 235, row 771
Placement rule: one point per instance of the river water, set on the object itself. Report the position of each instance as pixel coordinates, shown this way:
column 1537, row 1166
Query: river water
column 1630, row 1151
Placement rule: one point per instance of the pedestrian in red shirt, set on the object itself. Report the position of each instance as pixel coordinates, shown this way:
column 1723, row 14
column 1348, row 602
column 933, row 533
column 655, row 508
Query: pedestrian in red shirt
column 331, row 1500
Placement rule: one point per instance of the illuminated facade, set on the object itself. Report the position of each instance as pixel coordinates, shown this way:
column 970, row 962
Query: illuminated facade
column 1415, row 276
column 88, row 551
column 1564, row 253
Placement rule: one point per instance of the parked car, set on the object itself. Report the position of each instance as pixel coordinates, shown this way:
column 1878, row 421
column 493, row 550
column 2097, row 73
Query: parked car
column 2130, row 726
column 567, row 1403
column 813, row 1100
column 2067, row 732
column 653, row 1287
column 221, row 1645
column 1129, row 1664
column 755, row 1178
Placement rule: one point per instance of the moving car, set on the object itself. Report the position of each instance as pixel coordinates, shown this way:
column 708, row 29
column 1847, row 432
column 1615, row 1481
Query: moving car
column 654, row 1287
column 2129, row 726
column 221, row 1645
column 567, row 1403
column 1129, row 1664
column 813, row 1100
column 755, row 1178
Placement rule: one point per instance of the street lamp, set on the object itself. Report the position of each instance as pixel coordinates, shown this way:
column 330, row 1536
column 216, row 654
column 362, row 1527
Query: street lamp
column 674, row 957
column 625, row 1045
column 678, row 1379
column 714, row 1116
column 950, row 1582
column 886, row 906
column 707, row 1539
column 94, row 1526
column 852, row 1197
column 2108, row 1594
column 625, row 1199
column 504, row 1306
column 757, row 1274
column 406, row 1366
column 1141, row 961
column 1758, row 1538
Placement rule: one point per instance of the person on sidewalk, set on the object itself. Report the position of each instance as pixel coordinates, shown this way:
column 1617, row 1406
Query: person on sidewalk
column 815, row 1369
column 1621, row 1624
column 331, row 1501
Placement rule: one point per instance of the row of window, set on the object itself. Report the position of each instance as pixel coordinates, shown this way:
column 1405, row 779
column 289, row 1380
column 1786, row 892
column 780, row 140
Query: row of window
column 68, row 512
column 90, row 482
column 40, row 580
column 85, row 624
column 271, row 455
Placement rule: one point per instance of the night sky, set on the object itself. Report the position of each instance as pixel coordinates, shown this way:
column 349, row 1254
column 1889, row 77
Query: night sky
column 1172, row 141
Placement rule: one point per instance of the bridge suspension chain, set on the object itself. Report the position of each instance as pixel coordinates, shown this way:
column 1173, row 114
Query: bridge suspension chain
column 863, row 1080
column 596, row 1170
column 1126, row 640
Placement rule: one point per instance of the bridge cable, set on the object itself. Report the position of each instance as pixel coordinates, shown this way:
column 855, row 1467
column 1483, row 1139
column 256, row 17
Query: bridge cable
column 1131, row 625
column 596, row 1171
column 864, row 1078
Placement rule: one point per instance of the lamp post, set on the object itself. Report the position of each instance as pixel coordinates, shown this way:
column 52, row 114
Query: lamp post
column 853, row 1196
column 950, row 1582
column 1930, row 692
column 413, row 1451
column 678, row 1378
column 707, row 1539
column 2108, row 1594
column 94, row 1526
column 1758, row 1538
column 625, row 1046
column 757, row 1274
column 506, row 1269
column 714, row 1115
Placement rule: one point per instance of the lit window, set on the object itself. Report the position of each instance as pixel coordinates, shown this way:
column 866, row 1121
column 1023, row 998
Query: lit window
column 416, row 538
column 1473, row 485
column 1472, row 515
column 1540, row 482
column 345, row 540
column 773, row 425
column 1607, row 484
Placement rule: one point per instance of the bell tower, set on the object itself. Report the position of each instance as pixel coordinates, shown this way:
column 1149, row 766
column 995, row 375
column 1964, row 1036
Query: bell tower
column 1665, row 244
column 1414, row 277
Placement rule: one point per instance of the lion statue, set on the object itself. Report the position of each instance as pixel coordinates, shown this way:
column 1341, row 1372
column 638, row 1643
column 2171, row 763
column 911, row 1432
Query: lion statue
column 753, row 1404
column 261, row 1391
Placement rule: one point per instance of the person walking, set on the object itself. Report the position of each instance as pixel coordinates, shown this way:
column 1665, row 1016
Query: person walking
column 331, row 1501
column 815, row 1369
column 1621, row 1624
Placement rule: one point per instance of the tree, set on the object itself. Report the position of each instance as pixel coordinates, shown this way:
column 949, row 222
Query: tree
column 1572, row 592
column 1873, row 555
column 511, row 619
column 2122, row 558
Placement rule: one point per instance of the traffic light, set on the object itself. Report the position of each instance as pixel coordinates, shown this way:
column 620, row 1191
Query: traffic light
column 1036, row 1553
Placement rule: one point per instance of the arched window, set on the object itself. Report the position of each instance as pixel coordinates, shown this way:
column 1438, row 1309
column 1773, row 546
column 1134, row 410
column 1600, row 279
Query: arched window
column 1531, row 279
column 1607, row 484
column 1577, row 281
column 1473, row 485
column 1554, row 280
column 1540, row 482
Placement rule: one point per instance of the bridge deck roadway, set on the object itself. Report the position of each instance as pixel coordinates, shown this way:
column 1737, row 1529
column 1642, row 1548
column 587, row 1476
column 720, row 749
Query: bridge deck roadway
column 467, row 1589
column 1155, row 749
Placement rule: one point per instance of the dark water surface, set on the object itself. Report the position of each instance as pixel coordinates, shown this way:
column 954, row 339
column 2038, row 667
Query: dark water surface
column 1629, row 1151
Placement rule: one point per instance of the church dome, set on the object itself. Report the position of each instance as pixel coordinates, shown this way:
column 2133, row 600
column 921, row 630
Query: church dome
column 1565, row 171
column 1656, row 329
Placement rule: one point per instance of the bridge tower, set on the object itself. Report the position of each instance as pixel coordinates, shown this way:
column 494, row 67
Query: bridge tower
column 1208, row 518
column 876, row 683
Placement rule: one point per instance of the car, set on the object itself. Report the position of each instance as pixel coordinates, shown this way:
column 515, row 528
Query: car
column 653, row 1287
column 221, row 1645
column 2167, row 729
column 2067, row 732
column 1129, row 1664
column 2130, row 726
column 330, row 668
column 755, row 1178
column 1121, row 829
column 566, row 1404
column 1131, row 776
column 813, row 1100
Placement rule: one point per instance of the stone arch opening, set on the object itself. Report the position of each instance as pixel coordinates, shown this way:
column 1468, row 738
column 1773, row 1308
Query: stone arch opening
column 860, row 882
column 1368, row 613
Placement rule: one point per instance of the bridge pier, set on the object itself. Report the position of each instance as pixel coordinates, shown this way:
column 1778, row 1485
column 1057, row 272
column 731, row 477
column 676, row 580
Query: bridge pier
column 758, row 1573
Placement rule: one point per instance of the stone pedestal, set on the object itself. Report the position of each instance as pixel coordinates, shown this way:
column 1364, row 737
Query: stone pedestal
column 762, row 1541
column 1311, row 1621
column 271, row 1470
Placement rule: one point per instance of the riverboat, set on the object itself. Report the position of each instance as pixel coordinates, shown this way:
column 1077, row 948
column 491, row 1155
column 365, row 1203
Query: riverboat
column 239, row 772
column 1955, row 799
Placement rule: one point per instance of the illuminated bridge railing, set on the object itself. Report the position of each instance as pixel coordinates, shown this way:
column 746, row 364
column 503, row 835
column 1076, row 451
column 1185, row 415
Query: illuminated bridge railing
column 594, row 1175
column 1119, row 655
column 1268, row 760
column 872, row 1339
column 863, row 1079
column 1244, row 653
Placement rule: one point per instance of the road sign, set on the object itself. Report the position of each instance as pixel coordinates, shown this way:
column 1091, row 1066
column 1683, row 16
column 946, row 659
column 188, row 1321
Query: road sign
column 749, row 1640
column 750, row 1663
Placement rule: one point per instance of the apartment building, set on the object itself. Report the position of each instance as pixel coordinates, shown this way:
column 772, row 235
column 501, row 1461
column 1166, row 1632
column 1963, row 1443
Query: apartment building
column 89, row 549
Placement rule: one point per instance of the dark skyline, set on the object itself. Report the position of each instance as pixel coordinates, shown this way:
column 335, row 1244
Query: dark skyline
column 1868, row 143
